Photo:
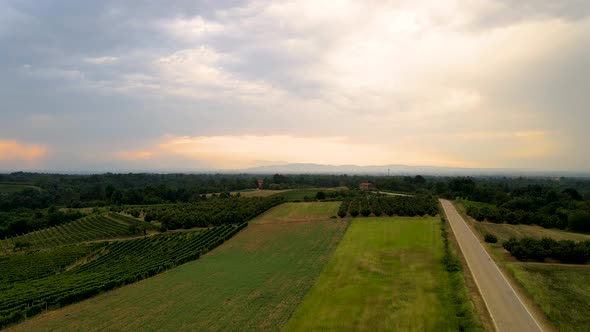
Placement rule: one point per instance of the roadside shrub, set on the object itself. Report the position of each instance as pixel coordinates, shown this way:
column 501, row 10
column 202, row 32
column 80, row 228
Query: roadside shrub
column 565, row 251
column 490, row 238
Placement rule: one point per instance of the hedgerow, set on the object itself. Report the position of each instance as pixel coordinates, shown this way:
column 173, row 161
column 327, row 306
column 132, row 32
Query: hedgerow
column 366, row 205
column 565, row 251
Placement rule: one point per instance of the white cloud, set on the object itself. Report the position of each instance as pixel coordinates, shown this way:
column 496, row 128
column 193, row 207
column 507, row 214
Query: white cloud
column 191, row 29
column 101, row 60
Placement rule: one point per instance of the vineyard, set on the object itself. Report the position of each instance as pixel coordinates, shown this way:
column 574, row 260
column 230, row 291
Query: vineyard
column 94, row 227
column 211, row 212
column 389, row 205
column 86, row 270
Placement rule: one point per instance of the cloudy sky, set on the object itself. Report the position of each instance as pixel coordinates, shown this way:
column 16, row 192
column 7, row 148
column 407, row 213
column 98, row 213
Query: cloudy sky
column 187, row 85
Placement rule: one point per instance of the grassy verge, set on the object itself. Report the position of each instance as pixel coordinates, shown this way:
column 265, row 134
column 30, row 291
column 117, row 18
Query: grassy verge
column 457, row 291
column 252, row 282
column 562, row 292
column 386, row 274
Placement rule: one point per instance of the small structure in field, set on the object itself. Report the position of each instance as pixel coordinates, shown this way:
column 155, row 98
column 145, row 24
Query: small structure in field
column 260, row 183
column 367, row 186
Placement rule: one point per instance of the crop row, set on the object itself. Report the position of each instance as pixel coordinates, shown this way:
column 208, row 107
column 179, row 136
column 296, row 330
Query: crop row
column 94, row 227
column 389, row 205
column 212, row 212
column 37, row 264
column 109, row 266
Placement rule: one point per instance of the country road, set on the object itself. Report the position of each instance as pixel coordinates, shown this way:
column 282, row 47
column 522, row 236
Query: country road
column 508, row 312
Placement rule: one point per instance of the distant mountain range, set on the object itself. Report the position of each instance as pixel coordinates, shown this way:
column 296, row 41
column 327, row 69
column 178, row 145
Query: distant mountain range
column 401, row 170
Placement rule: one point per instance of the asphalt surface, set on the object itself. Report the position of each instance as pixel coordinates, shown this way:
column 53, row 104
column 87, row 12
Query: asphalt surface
column 508, row 312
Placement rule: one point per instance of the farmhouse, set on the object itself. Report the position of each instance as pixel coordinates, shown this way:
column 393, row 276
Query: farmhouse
column 367, row 186
column 260, row 183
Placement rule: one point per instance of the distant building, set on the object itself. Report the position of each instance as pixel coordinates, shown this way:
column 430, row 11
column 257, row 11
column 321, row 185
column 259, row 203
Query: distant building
column 367, row 186
column 260, row 183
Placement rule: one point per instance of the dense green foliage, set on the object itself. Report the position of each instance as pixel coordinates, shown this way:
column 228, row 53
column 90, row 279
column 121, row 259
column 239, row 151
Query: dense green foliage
column 93, row 227
column 410, row 206
column 110, row 266
column 548, row 209
column 24, row 221
column 490, row 238
column 565, row 251
column 38, row 264
column 211, row 212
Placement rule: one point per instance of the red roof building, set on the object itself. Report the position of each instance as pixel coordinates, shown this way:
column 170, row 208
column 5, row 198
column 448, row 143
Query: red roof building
column 367, row 186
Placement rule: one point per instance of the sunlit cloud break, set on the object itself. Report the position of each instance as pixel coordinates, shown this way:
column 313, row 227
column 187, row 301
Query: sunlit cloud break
column 14, row 150
column 247, row 150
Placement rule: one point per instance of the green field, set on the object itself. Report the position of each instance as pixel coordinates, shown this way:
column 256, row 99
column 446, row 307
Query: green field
column 385, row 275
column 13, row 187
column 300, row 212
column 300, row 194
column 506, row 231
column 562, row 292
column 252, row 282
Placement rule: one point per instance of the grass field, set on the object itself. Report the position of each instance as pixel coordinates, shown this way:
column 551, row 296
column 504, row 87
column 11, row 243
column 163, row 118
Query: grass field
column 385, row 275
column 505, row 231
column 562, row 292
column 13, row 187
column 259, row 193
column 300, row 212
column 256, row 193
column 300, row 194
column 252, row 282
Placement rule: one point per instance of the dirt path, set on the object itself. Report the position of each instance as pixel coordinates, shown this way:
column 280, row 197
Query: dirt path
column 507, row 310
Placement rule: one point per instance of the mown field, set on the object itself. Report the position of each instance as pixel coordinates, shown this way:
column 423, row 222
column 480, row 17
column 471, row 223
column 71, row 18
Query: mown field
column 13, row 187
column 300, row 194
column 561, row 292
column 306, row 211
column 506, row 231
column 386, row 275
column 252, row 282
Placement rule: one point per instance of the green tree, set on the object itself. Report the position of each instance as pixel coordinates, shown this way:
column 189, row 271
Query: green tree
column 579, row 220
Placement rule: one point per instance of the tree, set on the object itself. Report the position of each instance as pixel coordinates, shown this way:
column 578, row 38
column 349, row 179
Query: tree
column 573, row 193
column 117, row 197
column 579, row 220
column 320, row 195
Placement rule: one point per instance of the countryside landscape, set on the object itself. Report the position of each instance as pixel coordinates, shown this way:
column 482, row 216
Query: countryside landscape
column 295, row 165
column 224, row 252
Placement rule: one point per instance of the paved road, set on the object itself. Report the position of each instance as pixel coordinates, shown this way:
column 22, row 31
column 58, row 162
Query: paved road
column 507, row 310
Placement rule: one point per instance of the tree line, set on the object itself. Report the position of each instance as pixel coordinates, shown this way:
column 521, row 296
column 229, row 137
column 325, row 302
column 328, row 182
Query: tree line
column 365, row 205
column 211, row 212
column 538, row 250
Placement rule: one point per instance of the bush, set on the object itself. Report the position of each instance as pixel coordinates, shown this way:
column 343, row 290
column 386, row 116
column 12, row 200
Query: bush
column 490, row 238
column 566, row 251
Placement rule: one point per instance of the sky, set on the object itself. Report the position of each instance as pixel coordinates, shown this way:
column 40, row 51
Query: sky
column 212, row 85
